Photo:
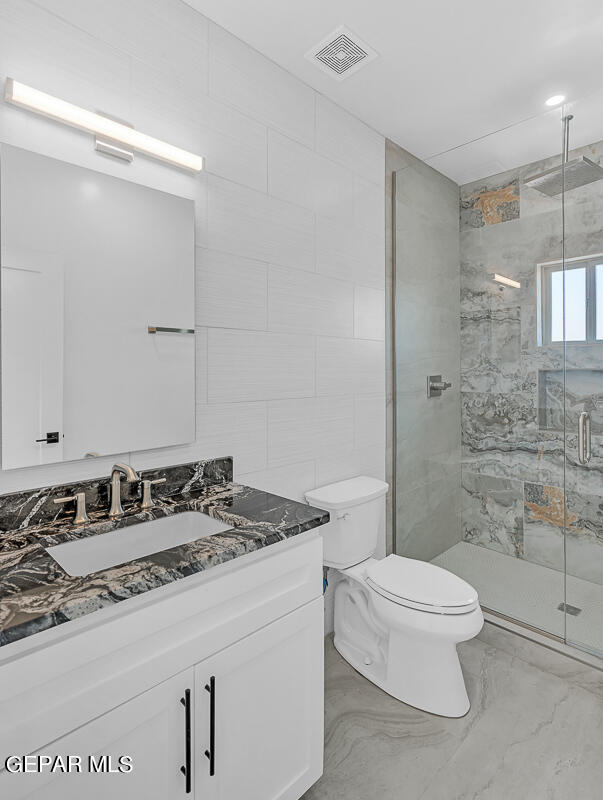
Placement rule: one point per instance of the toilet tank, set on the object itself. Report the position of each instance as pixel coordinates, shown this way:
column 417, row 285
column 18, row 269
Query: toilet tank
column 357, row 510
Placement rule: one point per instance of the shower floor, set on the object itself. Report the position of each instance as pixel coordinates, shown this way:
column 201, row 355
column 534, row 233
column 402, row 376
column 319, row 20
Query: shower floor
column 530, row 593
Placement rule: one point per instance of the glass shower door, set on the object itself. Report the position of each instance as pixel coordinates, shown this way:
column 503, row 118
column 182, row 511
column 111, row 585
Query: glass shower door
column 523, row 522
column 583, row 395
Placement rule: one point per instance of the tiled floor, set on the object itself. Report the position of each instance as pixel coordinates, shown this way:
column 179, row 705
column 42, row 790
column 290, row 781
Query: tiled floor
column 529, row 592
column 532, row 733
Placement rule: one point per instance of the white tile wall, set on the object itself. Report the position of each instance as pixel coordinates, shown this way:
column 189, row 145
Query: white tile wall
column 347, row 140
column 166, row 34
column 289, row 225
column 234, row 144
column 338, row 467
column 292, row 480
column 253, row 224
column 349, row 252
column 369, row 201
column 369, row 420
column 369, row 313
column 308, row 302
column 230, row 291
column 242, row 425
column 349, row 366
column 242, row 77
column 302, row 429
column 253, row 365
column 39, row 48
column 201, row 364
column 299, row 175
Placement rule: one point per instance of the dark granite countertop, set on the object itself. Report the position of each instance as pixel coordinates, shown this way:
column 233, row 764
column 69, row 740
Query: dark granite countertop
column 37, row 594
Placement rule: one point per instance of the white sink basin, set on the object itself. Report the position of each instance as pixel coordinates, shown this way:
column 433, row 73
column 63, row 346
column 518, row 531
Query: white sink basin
column 95, row 553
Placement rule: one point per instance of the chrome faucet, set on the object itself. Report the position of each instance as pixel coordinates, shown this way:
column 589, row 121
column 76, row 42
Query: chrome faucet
column 131, row 475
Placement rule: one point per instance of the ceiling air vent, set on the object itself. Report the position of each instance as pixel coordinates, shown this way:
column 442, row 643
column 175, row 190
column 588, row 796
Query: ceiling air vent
column 341, row 53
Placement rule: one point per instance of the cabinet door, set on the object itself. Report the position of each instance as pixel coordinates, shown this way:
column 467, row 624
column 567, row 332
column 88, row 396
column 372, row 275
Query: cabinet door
column 267, row 712
column 150, row 729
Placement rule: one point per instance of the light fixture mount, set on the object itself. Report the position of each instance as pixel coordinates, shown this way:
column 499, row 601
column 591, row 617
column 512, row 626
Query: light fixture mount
column 105, row 128
column 111, row 147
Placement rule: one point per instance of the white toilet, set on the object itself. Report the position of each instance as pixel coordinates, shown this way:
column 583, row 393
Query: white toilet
column 397, row 620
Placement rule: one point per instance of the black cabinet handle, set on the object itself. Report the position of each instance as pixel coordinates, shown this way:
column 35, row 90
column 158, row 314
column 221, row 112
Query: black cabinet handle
column 211, row 753
column 186, row 770
column 52, row 437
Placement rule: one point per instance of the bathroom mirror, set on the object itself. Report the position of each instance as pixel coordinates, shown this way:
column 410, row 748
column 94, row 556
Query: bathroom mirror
column 97, row 313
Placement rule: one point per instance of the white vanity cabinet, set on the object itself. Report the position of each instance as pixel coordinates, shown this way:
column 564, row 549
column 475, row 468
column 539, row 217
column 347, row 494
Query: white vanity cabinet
column 223, row 678
column 150, row 729
column 258, row 708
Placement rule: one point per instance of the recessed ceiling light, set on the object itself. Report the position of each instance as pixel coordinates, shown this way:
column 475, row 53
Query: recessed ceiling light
column 555, row 100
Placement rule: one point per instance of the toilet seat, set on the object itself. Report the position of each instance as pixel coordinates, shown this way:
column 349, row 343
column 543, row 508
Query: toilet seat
column 420, row 585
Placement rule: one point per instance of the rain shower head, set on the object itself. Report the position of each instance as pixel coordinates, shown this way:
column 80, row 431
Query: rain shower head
column 578, row 172
column 571, row 174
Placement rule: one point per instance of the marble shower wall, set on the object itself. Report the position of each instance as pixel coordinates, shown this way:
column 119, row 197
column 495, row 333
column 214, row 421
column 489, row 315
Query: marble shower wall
column 512, row 403
column 426, row 343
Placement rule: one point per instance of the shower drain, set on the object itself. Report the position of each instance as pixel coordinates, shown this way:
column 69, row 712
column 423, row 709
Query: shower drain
column 573, row 611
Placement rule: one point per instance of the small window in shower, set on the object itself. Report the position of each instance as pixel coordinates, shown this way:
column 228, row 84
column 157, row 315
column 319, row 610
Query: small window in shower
column 580, row 317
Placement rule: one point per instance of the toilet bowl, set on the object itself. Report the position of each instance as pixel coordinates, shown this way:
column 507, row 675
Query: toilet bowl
column 397, row 620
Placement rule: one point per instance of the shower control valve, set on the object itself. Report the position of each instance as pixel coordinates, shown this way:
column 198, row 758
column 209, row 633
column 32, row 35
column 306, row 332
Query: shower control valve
column 435, row 385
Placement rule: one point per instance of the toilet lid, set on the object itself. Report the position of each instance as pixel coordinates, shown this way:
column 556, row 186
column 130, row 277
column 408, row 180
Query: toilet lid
column 418, row 584
column 346, row 494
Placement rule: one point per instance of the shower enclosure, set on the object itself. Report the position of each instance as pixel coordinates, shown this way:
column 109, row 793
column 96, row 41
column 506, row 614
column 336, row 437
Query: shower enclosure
column 497, row 288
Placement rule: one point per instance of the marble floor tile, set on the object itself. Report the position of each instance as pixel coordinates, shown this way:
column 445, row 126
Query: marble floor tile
column 529, row 734
column 576, row 671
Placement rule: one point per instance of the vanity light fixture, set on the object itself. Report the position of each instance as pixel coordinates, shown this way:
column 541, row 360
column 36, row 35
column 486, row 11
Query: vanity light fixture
column 555, row 100
column 20, row 94
column 507, row 281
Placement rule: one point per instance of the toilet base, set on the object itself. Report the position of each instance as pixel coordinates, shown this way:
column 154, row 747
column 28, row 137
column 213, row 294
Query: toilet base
column 452, row 702
column 409, row 654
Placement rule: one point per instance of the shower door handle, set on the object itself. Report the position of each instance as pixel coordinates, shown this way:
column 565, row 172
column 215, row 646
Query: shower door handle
column 584, row 447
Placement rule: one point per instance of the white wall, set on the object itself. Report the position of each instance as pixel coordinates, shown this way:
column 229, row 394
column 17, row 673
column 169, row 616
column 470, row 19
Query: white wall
column 290, row 230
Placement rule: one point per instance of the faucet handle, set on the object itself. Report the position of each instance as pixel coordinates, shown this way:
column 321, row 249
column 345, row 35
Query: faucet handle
column 147, row 500
column 81, row 517
column 435, row 385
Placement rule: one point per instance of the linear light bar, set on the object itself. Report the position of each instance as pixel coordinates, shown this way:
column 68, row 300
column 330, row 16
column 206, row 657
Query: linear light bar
column 507, row 281
column 20, row 94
